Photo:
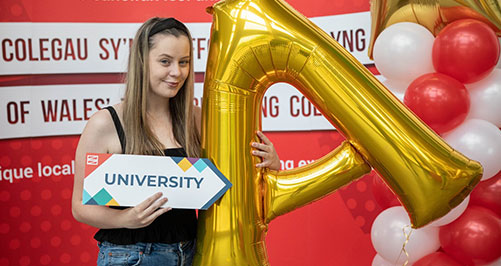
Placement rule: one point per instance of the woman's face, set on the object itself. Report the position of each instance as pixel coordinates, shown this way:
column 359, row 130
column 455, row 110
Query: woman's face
column 169, row 64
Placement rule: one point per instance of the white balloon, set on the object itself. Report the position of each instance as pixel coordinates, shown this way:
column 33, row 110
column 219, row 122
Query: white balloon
column 388, row 235
column 478, row 140
column 379, row 261
column 485, row 98
column 453, row 214
column 403, row 51
column 397, row 87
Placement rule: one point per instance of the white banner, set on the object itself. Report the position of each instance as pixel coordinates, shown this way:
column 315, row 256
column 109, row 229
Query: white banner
column 50, row 110
column 57, row 48
column 48, row 48
column 41, row 48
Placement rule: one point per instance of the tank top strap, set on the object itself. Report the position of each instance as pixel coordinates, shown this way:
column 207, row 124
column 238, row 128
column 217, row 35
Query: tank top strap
column 118, row 126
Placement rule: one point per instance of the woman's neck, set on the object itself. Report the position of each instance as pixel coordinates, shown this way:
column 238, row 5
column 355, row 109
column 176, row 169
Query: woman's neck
column 157, row 107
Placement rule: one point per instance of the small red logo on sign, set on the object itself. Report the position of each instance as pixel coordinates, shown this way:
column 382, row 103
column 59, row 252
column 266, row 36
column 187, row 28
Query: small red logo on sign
column 92, row 159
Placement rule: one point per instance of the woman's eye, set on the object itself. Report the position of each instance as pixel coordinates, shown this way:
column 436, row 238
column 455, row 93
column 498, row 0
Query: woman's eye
column 165, row 62
column 184, row 62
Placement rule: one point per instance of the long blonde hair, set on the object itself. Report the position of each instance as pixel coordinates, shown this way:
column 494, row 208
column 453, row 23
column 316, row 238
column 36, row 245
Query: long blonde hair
column 139, row 137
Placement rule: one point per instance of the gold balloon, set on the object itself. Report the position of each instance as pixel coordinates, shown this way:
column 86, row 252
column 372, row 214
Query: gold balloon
column 256, row 43
column 432, row 14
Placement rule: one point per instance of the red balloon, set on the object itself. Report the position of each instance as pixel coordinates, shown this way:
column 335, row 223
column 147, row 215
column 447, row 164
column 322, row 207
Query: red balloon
column 466, row 50
column 382, row 193
column 439, row 100
column 488, row 194
column 436, row 259
column 474, row 238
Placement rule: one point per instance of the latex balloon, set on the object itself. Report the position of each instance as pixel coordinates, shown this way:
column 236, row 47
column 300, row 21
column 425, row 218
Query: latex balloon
column 433, row 14
column 485, row 98
column 397, row 87
column 480, row 141
column 382, row 193
column 474, row 238
column 403, row 52
column 380, row 261
column 439, row 100
column 256, row 43
column 467, row 50
column 452, row 215
column 495, row 263
column 487, row 194
column 437, row 259
column 391, row 232
column 499, row 61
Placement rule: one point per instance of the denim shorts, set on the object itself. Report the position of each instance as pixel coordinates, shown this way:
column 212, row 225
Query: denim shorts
column 177, row 254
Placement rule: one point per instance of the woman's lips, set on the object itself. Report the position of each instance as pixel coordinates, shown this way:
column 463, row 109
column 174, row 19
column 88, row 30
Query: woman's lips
column 172, row 84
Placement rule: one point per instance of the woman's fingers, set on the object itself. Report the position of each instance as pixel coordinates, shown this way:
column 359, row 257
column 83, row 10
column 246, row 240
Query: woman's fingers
column 266, row 152
column 261, row 154
column 263, row 164
column 146, row 212
column 263, row 138
column 147, row 202
column 154, row 206
column 261, row 146
column 159, row 211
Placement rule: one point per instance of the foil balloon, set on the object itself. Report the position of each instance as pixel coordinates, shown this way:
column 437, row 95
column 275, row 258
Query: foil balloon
column 432, row 14
column 256, row 43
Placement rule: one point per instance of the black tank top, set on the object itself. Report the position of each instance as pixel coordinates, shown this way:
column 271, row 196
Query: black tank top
column 173, row 226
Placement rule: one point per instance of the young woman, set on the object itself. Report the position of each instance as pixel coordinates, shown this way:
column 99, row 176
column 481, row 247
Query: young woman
column 156, row 117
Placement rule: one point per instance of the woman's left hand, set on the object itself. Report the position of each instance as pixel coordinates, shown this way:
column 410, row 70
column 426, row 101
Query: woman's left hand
column 267, row 153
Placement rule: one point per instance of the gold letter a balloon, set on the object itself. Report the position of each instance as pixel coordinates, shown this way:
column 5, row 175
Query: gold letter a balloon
column 255, row 43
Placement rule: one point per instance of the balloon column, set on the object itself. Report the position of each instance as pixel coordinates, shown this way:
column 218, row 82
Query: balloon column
column 460, row 99
column 256, row 43
column 434, row 15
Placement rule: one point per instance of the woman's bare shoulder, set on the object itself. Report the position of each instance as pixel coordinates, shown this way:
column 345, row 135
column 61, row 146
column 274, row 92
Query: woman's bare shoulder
column 100, row 132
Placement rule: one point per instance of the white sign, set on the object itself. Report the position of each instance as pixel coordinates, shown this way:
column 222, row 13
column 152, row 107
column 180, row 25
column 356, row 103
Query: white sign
column 127, row 180
column 43, row 48
column 49, row 49
column 51, row 110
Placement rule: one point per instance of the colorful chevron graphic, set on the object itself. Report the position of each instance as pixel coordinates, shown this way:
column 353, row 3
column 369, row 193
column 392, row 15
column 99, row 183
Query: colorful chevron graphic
column 186, row 163
column 102, row 197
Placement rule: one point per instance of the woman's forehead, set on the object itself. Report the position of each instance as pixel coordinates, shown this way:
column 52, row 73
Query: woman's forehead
column 166, row 43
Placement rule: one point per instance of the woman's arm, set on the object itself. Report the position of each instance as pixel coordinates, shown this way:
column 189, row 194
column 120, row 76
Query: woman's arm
column 99, row 136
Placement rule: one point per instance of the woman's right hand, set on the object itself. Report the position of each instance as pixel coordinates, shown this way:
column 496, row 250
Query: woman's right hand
column 100, row 136
column 145, row 212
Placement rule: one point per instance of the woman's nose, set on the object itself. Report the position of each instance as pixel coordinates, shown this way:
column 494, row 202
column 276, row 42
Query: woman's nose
column 174, row 70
